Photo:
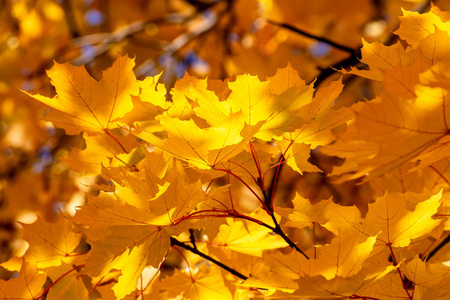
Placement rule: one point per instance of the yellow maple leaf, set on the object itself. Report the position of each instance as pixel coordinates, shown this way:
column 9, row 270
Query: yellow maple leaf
column 286, row 267
column 131, row 234
column 319, row 119
column 69, row 284
column 434, row 47
column 104, row 211
column 129, row 249
column 415, row 27
column 401, row 80
column 380, row 58
column 143, row 202
column 389, row 287
column 51, row 243
column 393, row 136
column 318, row 287
column 101, row 150
column 397, row 130
column 122, row 238
column 84, row 104
column 284, row 79
column 278, row 112
column 202, row 147
column 261, row 109
column 248, row 238
column 28, row 285
column 137, row 188
column 344, row 257
column 389, row 219
column 305, row 215
column 183, row 93
column 209, row 107
column 297, row 155
column 150, row 103
column 426, row 274
column 425, row 32
column 197, row 284
column 179, row 199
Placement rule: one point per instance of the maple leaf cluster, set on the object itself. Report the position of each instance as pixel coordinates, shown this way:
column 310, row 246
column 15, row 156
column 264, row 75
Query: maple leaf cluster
column 196, row 182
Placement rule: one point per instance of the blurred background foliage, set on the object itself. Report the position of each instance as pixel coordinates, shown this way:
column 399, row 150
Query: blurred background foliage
column 217, row 39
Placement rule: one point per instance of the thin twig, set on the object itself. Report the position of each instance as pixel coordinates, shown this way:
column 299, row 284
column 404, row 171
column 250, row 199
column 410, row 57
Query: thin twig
column 56, row 281
column 194, row 31
column 394, row 259
column 268, row 201
column 70, row 18
column 281, row 233
column 175, row 242
column 101, row 42
column 352, row 60
column 309, row 35
column 271, row 191
column 438, row 247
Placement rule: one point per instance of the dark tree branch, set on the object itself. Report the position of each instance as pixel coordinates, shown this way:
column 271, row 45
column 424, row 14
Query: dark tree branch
column 350, row 61
column 438, row 247
column 175, row 242
column 309, row 35
column 268, row 200
column 192, row 238
column 271, row 190
column 280, row 232
column 353, row 60
column 277, row 230
column 233, row 214
column 70, row 18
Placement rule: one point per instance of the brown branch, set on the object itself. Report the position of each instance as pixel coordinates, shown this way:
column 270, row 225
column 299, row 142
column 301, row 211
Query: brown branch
column 182, row 40
column 70, row 18
column 175, row 242
column 56, row 281
column 395, row 262
column 309, row 35
column 438, row 247
column 268, row 201
column 352, row 60
column 281, row 233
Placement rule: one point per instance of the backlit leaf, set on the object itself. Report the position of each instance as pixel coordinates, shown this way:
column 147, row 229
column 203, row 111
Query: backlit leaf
column 84, row 104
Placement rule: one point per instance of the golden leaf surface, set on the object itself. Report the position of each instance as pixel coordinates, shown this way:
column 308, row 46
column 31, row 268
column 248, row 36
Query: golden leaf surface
column 69, row 284
column 389, row 219
column 197, row 284
column 51, row 243
column 248, row 238
column 84, row 104
column 28, row 285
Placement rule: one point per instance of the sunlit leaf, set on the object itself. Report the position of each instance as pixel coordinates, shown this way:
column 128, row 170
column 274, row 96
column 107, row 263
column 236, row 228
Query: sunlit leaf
column 84, row 104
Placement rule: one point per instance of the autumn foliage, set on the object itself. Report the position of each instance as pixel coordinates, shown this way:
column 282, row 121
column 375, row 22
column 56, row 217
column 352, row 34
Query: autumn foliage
column 264, row 185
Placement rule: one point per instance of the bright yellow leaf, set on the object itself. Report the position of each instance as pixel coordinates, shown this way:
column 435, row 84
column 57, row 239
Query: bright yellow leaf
column 278, row 112
column 101, row 151
column 84, row 104
column 28, row 285
column 390, row 136
column 415, row 27
column 248, row 238
column 206, row 147
column 305, row 215
column 51, row 243
column 389, row 219
column 205, row 283
column 69, row 286
column 344, row 257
